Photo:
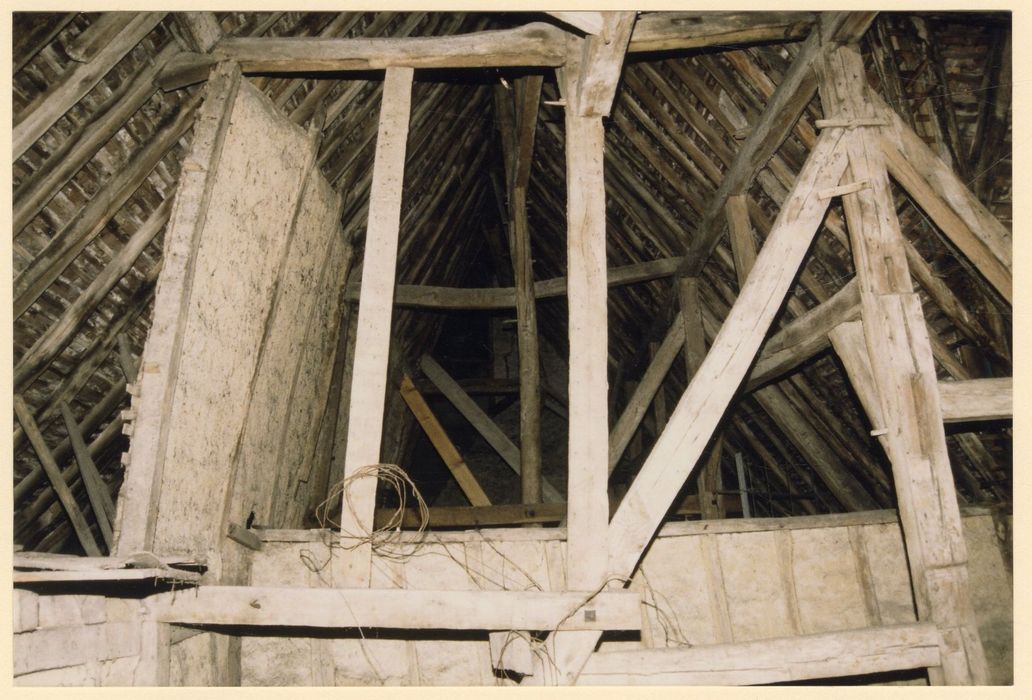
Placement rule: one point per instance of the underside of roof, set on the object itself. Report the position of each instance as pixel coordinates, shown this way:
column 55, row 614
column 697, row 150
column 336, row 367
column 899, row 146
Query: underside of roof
column 100, row 134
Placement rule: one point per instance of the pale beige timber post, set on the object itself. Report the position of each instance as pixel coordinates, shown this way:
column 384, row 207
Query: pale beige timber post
column 372, row 342
column 904, row 380
column 588, row 81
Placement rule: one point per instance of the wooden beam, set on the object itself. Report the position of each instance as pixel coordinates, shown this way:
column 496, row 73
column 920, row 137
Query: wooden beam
column 674, row 31
column 343, row 608
column 536, row 44
column 480, row 421
column 782, row 111
column 955, row 211
column 200, row 29
column 442, row 443
column 714, row 384
column 528, row 96
column 32, row 32
column 694, row 336
column 779, row 660
column 587, row 22
column 905, row 384
column 88, row 223
column 96, row 488
column 372, row 344
column 743, row 245
column 805, row 336
column 37, row 358
column 82, row 528
column 625, row 427
column 601, row 62
column 514, row 515
column 976, row 399
column 34, row 120
column 588, row 338
column 455, row 298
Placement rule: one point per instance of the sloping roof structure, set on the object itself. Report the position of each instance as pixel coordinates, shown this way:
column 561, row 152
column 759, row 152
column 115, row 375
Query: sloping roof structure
column 536, row 348
column 99, row 147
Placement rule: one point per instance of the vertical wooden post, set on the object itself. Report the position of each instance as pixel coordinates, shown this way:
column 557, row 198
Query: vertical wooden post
column 376, row 301
column 708, row 482
column 904, row 380
column 530, row 368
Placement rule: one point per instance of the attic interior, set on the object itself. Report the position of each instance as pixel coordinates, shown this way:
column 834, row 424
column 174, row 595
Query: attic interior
column 206, row 358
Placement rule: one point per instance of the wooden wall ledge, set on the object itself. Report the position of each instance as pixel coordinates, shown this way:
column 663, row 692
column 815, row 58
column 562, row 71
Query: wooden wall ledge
column 342, row 608
column 784, row 659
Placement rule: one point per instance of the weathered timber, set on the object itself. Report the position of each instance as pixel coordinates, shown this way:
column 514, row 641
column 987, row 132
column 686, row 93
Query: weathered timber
column 948, row 202
column 96, row 488
column 536, row 44
column 671, row 31
column 200, row 29
column 82, row 528
column 587, row 22
column 480, row 421
column 75, row 151
column 601, row 62
column 33, row 121
column 721, row 372
column 905, row 383
column 805, row 336
column 976, row 399
column 443, row 444
column 134, row 522
column 372, row 344
column 431, row 297
column 781, row 113
column 343, row 608
column 645, row 392
column 90, row 221
column 46, row 348
column 781, row 660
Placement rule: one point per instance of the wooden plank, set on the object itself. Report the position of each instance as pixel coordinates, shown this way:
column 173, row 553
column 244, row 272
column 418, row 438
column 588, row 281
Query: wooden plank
column 628, row 422
column 37, row 358
column 431, row 297
column 780, row 114
column 41, row 577
column 82, row 528
column 536, row 44
column 372, row 344
column 134, row 522
column 780, row 660
column 200, row 29
column 96, row 488
column 601, row 61
column 34, row 120
column 805, row 336
column 712, row 387
column 480, row 421
column 905, row 385
column 743, row 245
column 520, row 514
column 964, row 220
column 528, row 95
column 442, row 443
column 342, row 608
column 976, row 399
column 671, row 31
column 587, row 22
